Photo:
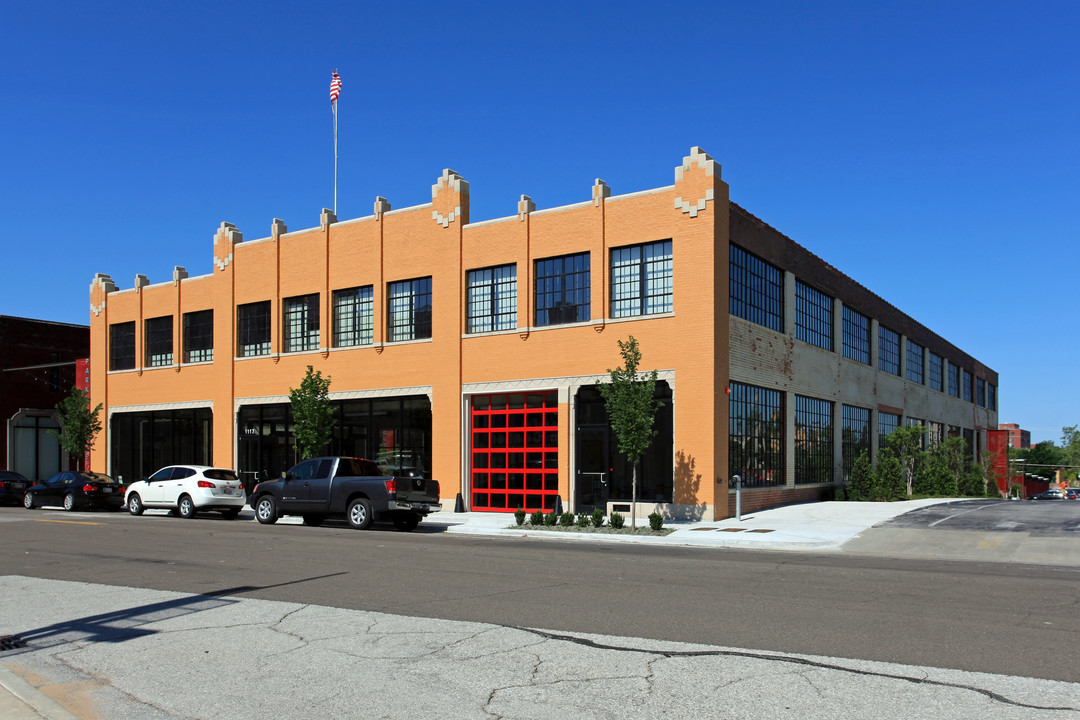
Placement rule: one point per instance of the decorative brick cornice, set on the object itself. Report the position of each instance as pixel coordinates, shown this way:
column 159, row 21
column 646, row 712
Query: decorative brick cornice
column 225, row 239
column 700, row 160
column 525, row 206
column 100, row 287
column 449, row 182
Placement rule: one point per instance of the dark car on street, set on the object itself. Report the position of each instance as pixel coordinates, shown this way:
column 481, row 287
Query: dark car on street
column 12, row 486
column 75, row 491
column 1051, row 494
column 1072, row 493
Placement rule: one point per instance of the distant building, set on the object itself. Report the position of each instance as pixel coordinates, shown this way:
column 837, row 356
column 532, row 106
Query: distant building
column 1017, row 438
column 37, row 370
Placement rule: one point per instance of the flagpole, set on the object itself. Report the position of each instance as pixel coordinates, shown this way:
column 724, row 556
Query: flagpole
column 335, row 158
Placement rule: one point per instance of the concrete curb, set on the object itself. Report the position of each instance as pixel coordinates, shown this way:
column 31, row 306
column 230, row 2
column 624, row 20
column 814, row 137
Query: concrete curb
column 36, row 704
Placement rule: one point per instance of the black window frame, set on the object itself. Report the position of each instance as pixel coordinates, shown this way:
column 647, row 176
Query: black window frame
column 856, row 335
column 491, row 299
column 966, row 381
column 253, row 329
column 915, row 366
column 158, row 341
column 887, row 422
column 813, row 316
column 755, row 289
column 813, row 441
column 408, row 309
column 300, row 323
column 888, row 350
column 641, row 284
column 563, row 290
column 936, row 372
column 198, row 336
column 353, row 312
column 122, row 346
column 953, row 373
column 756, row 432
column 854, row 435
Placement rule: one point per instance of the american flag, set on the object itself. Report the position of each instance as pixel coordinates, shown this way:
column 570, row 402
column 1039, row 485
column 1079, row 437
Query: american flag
column 335, row 87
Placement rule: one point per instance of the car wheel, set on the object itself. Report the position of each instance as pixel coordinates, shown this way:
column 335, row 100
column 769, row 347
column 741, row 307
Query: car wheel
column 186, row 507
column 313, row 520
column 135, row 506
column 359, row 514
column 231, row 514
column 69, row 502
column 28, row 501
column 266, row 510
column 406, row 522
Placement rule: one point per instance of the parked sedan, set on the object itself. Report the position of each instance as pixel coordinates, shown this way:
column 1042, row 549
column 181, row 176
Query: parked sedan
column 187, row 489
column 1051, row 494
column 75, row 491
column 12, row 486
column 1072, row 493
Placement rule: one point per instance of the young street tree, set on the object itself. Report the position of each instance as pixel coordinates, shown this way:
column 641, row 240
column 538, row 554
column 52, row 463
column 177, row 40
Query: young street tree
column 79, row 425
column 906, row 442
column 632, row 410
column 313, row 413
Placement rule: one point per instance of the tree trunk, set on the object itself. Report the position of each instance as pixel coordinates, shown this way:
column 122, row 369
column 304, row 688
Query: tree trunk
column 633, row 497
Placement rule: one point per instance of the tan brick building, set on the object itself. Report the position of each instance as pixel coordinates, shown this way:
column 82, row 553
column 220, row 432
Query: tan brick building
column 469, row 351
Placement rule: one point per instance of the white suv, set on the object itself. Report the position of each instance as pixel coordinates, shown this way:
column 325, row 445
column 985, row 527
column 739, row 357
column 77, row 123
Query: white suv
column 187, row 489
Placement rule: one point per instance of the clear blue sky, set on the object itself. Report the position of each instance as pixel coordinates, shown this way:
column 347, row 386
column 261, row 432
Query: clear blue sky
column 929, row 150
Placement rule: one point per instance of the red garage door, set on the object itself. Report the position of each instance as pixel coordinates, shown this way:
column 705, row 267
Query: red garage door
column 515, row 451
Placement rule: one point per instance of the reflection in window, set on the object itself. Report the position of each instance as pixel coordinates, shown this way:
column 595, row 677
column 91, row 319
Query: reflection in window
column 888, row 350
column 756, row 435
column 562, row 290
column 492, row 299
column 914, row 362
column 641, row 279
column 253, row 329
column 409, row 316
column 856, row 336
column 301, row 318
column 354, row 317
column 813, row 316
column 856, row 436
column 159, row 341
column 756, row 289
column 199, row 336
column 813, row 440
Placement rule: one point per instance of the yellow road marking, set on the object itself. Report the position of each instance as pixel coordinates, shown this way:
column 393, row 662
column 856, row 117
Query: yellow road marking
column 69, row 522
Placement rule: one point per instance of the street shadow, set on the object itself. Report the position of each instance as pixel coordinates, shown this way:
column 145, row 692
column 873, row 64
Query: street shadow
column 127, row 624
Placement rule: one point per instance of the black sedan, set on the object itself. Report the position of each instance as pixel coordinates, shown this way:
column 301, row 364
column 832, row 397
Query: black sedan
column 76, row 490
column 12, row 486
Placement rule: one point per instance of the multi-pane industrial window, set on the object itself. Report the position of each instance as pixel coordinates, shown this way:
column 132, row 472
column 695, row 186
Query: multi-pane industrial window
column 813, row 440
column 991, row 396
column 122, row 346
column 756, row 289
column 965, row 385
column 886, row 423
column 935, row 433
column 159, row 341
column 813, row 316
column 562, row 290
column 856, row 336
column 641, row 279
column 301, row 318
column 856, row 436
column 914, row 362
column 492, row 299
column 934, row 370
column 919, row 423
column 199, row 336
column 888, row 351
column 253, row 329
column 954, row 380
column 756, row 435
column 354, row 322
column 980, row 392
column 409, row 317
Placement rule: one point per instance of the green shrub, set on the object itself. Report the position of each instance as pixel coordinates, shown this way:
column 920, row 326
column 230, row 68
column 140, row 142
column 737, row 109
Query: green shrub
column 566, row 519
column 550, row 519
column 519, row 516
column 656, row 520
column 584, row 521
column 617, row 521
column 598, row 518
column 537, row 518
column 861, row 480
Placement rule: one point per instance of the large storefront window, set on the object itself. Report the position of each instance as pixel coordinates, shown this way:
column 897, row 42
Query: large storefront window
column 602, row 473
column 144, row 442
column 35, row 452
column 394, row 432
column 756, row 435
column 515, row 451
column 813, row 440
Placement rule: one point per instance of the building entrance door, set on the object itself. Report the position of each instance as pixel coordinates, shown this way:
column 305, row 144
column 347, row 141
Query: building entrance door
column 593, row 477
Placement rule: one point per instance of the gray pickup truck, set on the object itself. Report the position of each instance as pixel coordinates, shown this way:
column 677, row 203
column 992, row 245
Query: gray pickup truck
column 344, row 486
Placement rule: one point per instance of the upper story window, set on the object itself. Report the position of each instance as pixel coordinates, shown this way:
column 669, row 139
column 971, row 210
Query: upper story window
column 253, row 329
column 491, row 299
column 954, row 380
column 965, row 385
column 813, row 316
column 934, row 371
column 159, row 341
column 199, row 336
column 563, row 290
column 980, row 392
column 856, row 336
column 756, row 289
column 354, row 316
column 122, row 346
column 914, row 362
column 641, row 279
column 301, row 318
column 888, row 351
column 991, row 396
column 409, row 316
